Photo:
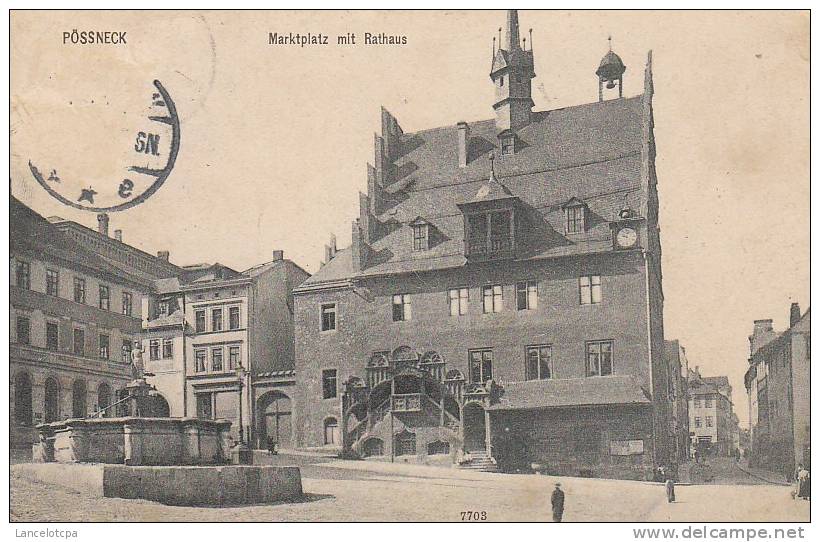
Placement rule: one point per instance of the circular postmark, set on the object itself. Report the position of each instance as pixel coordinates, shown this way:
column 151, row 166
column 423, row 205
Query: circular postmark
column 148, row 139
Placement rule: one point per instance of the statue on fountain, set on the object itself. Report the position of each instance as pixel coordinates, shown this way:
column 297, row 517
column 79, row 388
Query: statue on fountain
column 137, row 364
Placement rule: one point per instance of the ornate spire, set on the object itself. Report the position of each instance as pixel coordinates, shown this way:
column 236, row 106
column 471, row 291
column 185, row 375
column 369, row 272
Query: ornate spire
column 512, row 40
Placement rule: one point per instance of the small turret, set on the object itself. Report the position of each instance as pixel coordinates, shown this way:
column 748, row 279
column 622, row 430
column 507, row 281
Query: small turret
column 610, row 71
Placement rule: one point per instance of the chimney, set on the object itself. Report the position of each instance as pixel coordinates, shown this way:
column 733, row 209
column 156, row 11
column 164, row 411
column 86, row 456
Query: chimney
column 762, row 334
column 118, row 235
column 794, row 314
column 278, row 255
column 332, row 246
column 163, row 255
column 102, row 223
column 463, row 143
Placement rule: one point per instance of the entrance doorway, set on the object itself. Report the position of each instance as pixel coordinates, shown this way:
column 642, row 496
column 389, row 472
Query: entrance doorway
column 275, row 419
column 475, row 428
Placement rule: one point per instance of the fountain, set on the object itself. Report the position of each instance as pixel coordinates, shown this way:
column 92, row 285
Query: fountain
column 170, row 460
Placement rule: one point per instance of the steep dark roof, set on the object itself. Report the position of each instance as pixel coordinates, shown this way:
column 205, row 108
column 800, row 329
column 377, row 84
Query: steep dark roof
column 609, row 390
column 592, row 152
column 32, row 234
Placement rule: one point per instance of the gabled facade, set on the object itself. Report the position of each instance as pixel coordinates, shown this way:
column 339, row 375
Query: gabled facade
column 508, row 338
column 711, row 414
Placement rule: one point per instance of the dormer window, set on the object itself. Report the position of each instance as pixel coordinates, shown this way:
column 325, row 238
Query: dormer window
column 420, row 237
column 421, row 234
column 507, row 142
column 575, row 212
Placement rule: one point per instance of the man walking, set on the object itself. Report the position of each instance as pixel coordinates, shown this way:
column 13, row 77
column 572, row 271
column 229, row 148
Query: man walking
column 557, row 503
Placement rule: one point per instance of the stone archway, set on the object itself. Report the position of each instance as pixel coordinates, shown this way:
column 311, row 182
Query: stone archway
column 475, row 427
column 275, row 418
column 22, row 399
column 159, row 407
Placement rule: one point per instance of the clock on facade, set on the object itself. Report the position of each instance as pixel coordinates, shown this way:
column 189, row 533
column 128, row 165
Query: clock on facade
column 626, row 237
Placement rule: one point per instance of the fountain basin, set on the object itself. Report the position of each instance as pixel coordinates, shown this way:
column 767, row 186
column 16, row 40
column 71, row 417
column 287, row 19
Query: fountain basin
column 134, row 441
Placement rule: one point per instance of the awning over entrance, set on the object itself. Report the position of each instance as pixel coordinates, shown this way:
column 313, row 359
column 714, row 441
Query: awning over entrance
column 605, row 390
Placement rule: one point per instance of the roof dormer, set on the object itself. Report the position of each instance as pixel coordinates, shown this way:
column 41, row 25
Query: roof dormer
column 575, row 216
column 421, row 234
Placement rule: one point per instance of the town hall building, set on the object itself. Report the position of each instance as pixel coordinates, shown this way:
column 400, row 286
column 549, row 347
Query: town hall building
column 500, row 306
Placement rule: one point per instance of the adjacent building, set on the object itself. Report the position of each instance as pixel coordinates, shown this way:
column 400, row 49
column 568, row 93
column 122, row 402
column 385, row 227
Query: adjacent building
column 502, row 293
column 778, row 387
column 74, row 317
column 712, row 422
column 679, row 397
column 219, row 343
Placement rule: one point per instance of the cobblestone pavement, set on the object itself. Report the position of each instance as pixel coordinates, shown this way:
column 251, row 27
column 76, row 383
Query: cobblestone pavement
column 363, row 491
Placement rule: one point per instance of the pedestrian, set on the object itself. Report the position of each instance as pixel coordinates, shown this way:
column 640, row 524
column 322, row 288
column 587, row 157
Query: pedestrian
column 557, row 503
column 670, row 490
column 271, row 446
column 804, row 484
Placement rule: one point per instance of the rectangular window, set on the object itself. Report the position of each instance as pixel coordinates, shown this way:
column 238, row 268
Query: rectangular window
column 526, row 294
column 420, row 237
column 329, row 383
column 708, row 403
column 127, row 303
column 590, row 288
column 216, row 319
column 200, row 321
column 23, row 330
column 709, row 421
column 126, row 351
column 697, row 402
column 477, row 238
column 234, row 359
column 401, row 308
column 105, row 297
column 233, row 318
column 216, row 359
column 105, row 346
column 79, row 290
column 599, row 358
column 493, row 298
column 52, row 336
column 79, row 342
column 575, row 219
column 481, row 365
column 459, row 300
column 329, row 317
column 153, row 350
column 167, row 349
column 24, row 275
column 508, row 145
column 199, row 357
column 52, row 282
column 539, row 359
column 163, row 308
column 697, row 422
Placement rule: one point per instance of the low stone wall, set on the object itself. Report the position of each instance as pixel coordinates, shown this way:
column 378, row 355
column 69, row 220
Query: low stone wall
column 135, row 441
column 174, row 485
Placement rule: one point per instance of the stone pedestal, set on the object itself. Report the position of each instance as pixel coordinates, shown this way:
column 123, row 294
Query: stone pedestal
column 241, row 455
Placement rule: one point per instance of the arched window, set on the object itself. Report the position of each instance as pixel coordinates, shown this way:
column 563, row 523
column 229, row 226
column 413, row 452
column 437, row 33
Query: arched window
column 438, row 447
column 52, row 400
column 433, row 363
column 78, row 399
column 104, row 398
column 332, row 431
column 22, row 399
column 406, row 443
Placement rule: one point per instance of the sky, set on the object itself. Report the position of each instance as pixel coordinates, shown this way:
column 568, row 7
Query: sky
column 275, row 138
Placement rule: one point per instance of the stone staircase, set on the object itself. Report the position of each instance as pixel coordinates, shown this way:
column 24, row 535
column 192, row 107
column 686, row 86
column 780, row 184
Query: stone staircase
column 479, row 461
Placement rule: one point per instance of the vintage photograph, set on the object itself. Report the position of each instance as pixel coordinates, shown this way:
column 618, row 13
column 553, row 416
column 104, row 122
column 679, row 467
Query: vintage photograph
column 409, row 266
